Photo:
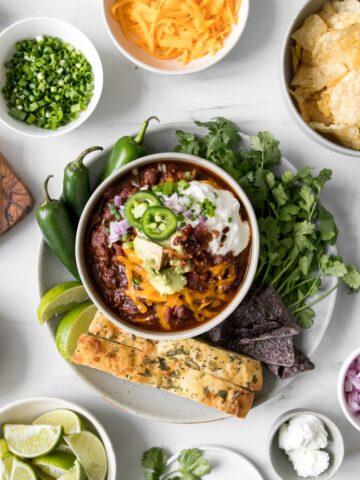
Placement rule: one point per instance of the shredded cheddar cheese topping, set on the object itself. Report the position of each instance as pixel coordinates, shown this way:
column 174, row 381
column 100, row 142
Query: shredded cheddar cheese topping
column 203, row 305
column 184, row 29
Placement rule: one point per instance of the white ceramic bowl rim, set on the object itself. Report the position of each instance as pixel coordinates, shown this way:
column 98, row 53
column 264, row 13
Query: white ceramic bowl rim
column 158, row 157
column 58, row 403
column 33, row 131
column 194, row 66
column 341, row 392
column 309, row 7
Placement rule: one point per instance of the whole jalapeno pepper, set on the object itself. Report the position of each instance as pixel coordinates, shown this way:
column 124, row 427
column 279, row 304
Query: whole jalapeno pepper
column 76, row 184
column 126, row 149
column 58, row 230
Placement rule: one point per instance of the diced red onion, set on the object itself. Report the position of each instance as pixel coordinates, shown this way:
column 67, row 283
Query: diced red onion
column 201, row 220
column 352, row 387
column 117, row 201
column 117, row 229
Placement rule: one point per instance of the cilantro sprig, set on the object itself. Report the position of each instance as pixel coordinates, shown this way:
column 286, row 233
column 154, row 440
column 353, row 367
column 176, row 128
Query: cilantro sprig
column 296, row 231
column 191, row 465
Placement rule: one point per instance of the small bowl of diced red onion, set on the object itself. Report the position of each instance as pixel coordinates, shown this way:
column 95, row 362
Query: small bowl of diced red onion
column 349, row 388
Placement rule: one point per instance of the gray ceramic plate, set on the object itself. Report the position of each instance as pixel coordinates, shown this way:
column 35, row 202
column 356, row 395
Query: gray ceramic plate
column 149, row 402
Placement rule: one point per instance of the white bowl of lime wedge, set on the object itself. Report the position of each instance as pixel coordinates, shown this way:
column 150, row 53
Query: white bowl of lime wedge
column 45, row 436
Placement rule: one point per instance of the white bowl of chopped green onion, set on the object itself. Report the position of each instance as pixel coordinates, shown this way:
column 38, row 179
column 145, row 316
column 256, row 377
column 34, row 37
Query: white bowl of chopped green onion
column 51, row 77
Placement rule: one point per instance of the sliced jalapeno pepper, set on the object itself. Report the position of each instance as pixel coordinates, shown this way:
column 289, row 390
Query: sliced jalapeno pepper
column 137, row 205
column 158, row 223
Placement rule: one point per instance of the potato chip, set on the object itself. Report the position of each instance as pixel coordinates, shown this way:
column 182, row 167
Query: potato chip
column 344, row 19
column 339, row 46
column 306, row 57
column 317, row 78
column 314, row 112
column 310, row 32
column 327, row 12
column 345, row 100
column 346, row 5
column 323, row 104
column 300, row 104
column 308, row 108
column 349, row 136
column 295, row 56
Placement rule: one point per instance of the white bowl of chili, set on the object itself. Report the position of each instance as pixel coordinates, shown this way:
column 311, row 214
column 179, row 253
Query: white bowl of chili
column 196, row 272
column 170, row 61
column 51, row 77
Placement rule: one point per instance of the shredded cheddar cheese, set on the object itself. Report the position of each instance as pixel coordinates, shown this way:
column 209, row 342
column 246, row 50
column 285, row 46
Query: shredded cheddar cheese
column 183, row 29
column 202, row 304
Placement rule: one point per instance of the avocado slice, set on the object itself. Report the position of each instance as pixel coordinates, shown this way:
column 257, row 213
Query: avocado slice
column 167, row 281
column 149, row 252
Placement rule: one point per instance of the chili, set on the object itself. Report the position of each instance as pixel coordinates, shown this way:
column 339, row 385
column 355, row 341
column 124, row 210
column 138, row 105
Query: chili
column 58, row 230
column 126, row 149
column 76, row 184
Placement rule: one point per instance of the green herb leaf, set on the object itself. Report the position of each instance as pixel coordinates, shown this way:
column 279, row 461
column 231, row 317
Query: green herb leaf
column 267, row 146
column 192, row 464
column 305, row 318
column 352, row 278
column 155, row 459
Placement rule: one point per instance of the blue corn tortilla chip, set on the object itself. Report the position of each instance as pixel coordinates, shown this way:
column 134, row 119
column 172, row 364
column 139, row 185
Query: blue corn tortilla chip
column 301, row 364
column 277, row 351
column 286, row 331
column 262, row 328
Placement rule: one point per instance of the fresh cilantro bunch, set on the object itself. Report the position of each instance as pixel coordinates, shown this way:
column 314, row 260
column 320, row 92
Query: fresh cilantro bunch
column 191, row 465
column 296, row 231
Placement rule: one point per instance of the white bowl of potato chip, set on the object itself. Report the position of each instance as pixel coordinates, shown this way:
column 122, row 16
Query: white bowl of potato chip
column 321, row 73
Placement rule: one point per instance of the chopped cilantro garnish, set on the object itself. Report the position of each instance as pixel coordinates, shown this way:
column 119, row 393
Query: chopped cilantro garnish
column 296, row 231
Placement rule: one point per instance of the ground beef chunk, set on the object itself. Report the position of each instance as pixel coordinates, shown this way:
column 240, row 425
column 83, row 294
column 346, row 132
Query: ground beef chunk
column 182, row 312
column 151, row 176
column 169, row 315
column 185, row 233
column 126, row 193
column 118, row 249
column 195, row 282
column 201, row 233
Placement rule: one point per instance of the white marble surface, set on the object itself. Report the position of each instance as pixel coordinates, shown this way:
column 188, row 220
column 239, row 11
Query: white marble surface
column 243, row 87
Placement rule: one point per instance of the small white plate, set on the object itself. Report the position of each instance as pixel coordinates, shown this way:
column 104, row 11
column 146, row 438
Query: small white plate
column 226, row 464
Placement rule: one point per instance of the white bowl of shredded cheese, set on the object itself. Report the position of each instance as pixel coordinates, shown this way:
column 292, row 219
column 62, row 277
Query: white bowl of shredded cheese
column 305, row 444
column 191, row 60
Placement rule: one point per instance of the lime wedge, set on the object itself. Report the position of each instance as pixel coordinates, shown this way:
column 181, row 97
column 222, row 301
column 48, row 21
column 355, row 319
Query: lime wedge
column 63, row 447
column 90, row 452
column 42, row 475
column 29, row 441
column 22, row 471
column 3, row 447
column 55, row 464
column 70, row 328
column 67, row 419
column 60, row 299
column 75, row 473
column 6, row 465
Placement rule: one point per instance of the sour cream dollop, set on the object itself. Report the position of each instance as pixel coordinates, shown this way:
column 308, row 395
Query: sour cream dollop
column 226, row 213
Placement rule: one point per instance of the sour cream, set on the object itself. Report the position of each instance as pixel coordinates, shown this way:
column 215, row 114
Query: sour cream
column 226, row 213
column 303, row 439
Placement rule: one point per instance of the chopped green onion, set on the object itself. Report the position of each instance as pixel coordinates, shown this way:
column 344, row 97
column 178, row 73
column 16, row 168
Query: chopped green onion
column 48, row 82
column 183, row 184
column 208, row 208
